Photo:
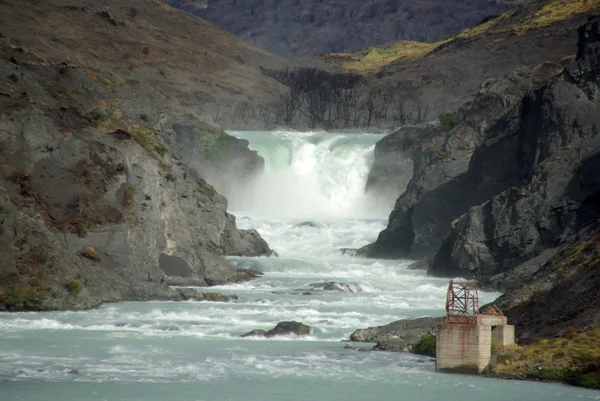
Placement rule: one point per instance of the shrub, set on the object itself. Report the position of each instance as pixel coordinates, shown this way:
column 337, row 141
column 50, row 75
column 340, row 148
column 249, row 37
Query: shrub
column 98, row 115
column 425, row 345
column 447, row 121
column 127, row 196
column 28, row 298
column 91, row 253
column 73, row 286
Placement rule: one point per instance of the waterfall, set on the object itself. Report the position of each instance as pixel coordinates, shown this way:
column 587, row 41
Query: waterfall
column 309, row 174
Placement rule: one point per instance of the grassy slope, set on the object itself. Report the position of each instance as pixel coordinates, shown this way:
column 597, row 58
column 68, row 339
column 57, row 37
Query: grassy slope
column 182, row 56
column 536, row 14
column 573, row 358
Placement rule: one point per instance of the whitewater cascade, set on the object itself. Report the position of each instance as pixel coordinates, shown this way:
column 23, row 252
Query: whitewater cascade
column 310, row 175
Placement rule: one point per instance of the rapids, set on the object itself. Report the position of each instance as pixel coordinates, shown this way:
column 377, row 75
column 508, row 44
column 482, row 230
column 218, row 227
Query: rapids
column 308, row 205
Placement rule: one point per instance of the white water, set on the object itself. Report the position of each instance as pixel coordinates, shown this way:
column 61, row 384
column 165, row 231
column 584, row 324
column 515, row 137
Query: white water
column 192, row 351
column 311, row 175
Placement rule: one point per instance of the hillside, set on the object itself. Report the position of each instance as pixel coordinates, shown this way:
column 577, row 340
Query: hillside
column 508, row 192
column 145, row 42
column 294, row 28
column 439, row 77
column 105, row 157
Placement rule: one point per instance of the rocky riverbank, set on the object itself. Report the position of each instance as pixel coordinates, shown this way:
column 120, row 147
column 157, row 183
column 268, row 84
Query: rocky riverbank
column 107, row 181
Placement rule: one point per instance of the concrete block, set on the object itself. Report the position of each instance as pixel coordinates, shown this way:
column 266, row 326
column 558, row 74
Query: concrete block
column 463, row 348
column 503, row 335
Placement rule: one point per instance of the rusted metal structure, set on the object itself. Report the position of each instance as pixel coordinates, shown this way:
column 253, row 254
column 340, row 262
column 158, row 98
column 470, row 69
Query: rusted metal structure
column 464, row 342
column 462, row 303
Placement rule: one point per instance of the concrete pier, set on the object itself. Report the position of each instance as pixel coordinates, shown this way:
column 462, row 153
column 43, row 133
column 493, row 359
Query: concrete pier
column 465, row 340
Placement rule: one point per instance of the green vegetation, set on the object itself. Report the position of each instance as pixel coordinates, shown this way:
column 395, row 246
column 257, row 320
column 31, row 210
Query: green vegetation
column 583, row 255
column 98, row 115
column 573, row 358
column 24, row 297
column 73, row 287
column 447, row 121
column 148, row 139
column 210, row 142
column 425, row 345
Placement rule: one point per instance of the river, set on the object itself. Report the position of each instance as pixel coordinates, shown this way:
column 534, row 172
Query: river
column 308, row 205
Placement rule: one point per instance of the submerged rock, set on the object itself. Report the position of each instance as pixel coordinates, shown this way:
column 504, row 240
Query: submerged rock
column 281, row 329
column 336, row 286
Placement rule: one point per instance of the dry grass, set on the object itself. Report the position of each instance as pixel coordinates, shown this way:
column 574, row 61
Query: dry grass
column 559, row 10
column 515, row 21
column 573, row 358
column 374, row 58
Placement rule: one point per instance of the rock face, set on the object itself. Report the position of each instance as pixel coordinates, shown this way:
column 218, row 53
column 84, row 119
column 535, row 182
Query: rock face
column 98, row 202
column 282, row 329
column 555, row 186
column 563, row 293
column 393, row 165
column 397, row 336
column 512, row 194
column 449, row 175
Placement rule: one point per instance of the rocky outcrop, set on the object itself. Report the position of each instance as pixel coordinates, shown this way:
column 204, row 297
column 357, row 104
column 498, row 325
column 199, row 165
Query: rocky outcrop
column 281, row 329
column 393, row 165
column 98, row 203
column 562, row 294
column 555, row 185
column 453, row 171
column 398, row 336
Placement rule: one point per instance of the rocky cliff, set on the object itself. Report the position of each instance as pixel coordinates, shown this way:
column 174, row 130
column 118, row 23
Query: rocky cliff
column 511, row 188
column 554, row 187
column 98, row 200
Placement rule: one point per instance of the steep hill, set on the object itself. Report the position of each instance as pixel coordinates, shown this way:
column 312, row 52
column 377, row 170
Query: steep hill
column 98, row 199
column 145, row 41
column 509, row 192
column 439, row 77
column 291, row 27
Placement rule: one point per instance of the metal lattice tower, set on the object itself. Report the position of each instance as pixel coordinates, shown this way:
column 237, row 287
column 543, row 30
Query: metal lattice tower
column 462, row 303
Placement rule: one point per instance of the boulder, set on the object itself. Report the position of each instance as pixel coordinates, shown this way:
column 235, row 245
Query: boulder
column 282, row 329
column 193, row 294
column 399, row 335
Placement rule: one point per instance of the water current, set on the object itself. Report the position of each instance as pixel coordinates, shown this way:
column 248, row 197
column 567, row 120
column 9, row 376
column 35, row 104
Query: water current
column 308, row 205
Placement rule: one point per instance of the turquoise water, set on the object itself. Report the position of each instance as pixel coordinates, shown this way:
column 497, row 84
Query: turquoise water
column 193, row 351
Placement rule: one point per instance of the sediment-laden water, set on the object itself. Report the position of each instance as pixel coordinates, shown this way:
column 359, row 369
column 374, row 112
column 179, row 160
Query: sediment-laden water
column 308, row 205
